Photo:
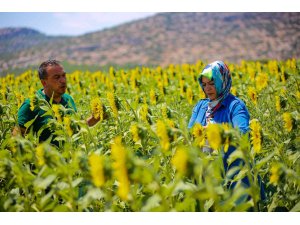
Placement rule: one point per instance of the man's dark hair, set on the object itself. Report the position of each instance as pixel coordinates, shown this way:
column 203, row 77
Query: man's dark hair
column 42, row 68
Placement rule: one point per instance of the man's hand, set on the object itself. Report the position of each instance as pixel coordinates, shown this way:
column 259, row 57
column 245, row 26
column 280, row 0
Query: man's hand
column 91, row 121
column 18, row 130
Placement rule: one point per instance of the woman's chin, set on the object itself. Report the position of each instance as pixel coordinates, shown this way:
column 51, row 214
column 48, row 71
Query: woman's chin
column 212, row 98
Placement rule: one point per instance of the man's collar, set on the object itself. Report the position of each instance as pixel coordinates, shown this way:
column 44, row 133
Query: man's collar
column 41, row 92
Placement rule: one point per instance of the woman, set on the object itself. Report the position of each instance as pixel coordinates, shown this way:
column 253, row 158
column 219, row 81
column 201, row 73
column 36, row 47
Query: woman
column 220, row 106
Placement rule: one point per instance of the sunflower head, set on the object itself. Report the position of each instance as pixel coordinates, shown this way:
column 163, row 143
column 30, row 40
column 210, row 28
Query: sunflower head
column 214, row 136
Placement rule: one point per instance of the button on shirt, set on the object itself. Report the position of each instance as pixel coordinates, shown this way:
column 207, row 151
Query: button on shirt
column 232, row 111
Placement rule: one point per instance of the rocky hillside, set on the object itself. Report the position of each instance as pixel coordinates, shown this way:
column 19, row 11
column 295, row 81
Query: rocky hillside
column 162, row 39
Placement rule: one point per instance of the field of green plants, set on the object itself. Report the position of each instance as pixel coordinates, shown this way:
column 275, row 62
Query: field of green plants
column 141, row 156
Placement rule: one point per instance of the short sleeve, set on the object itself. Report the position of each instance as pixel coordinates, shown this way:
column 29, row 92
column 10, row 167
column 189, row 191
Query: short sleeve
column 25, row 114
column 73, row 105
column 68, row 102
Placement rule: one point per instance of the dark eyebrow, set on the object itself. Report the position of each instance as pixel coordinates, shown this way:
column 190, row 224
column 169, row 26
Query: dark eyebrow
column 64, row 73
column 208, row 82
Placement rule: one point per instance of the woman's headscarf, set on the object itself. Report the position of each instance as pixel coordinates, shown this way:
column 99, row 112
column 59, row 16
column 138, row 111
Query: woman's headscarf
column 219, row 73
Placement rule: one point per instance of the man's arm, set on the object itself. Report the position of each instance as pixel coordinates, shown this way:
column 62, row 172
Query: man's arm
column 24, row 115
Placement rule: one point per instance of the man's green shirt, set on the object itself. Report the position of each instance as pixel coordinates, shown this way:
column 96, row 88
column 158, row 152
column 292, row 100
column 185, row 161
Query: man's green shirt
column 25, row 114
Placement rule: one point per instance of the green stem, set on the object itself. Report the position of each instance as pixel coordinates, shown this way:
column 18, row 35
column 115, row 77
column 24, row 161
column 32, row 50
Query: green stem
column 249, row 175
column 136, row 117
column 71, row 193
column 91, row 138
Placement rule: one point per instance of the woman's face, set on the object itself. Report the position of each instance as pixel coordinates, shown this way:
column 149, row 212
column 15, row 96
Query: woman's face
column 209, row 88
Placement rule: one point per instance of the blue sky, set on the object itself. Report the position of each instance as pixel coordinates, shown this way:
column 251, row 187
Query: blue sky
column 60, row 19
column 56, row 23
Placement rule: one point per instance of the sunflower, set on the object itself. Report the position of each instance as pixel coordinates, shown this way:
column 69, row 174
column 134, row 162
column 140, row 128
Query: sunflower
column 118, row 153
column 163, row 135
column 143, row 113
column 214, row 137
column 226, row 129
column 134, row 130
column 40, row 154
column 67, row 123
column 55, row 108
column 252, row 94
column 277, row 103
column 298, row 94
column 112, row 103
column 233, row 90
column 180, row 159
column 199, row 135
column 288, row 121
column 255, row 135
column 152, row 97
column 96, row 169
column 97, row 108
column 261, row 81
column 274, row 178
column 189, row 95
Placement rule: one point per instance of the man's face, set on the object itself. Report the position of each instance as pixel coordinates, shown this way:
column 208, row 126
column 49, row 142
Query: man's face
column 55, row 80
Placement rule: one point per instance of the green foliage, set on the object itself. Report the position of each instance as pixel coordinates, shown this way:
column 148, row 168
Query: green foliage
column 42, row 177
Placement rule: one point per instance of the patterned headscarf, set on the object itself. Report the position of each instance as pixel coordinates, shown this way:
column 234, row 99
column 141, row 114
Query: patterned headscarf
column 220, row 74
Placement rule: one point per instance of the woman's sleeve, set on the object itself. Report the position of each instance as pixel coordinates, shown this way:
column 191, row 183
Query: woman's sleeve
column 240, row 116
column 194, row 115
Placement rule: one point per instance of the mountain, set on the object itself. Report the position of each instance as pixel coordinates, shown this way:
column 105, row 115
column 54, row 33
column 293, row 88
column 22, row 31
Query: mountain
column 162, row 39
column 17, row 39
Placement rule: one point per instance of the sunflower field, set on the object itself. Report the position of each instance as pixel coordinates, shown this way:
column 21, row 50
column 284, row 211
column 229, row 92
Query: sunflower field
column 141, row 156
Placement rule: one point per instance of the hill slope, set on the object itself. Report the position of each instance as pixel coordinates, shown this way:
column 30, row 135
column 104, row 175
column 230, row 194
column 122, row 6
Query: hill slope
column 166, row 38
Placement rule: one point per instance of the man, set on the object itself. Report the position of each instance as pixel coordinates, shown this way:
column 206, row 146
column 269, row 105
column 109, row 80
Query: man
column 54, row 81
